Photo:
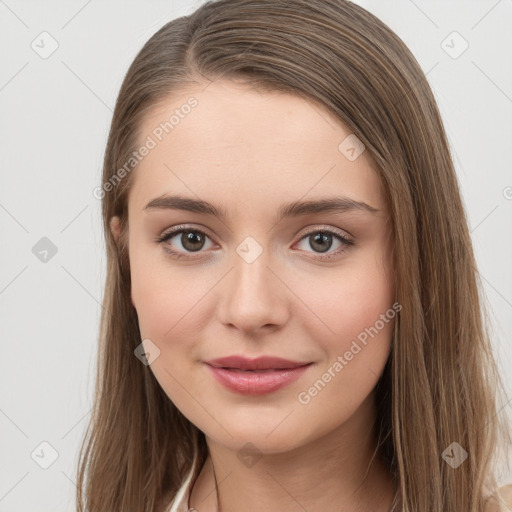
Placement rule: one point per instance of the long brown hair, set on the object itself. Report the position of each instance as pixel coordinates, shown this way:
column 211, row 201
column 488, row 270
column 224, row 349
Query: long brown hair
column 439, row 384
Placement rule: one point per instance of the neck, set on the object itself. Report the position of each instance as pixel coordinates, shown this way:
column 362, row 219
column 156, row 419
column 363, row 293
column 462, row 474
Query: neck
column 340, row 467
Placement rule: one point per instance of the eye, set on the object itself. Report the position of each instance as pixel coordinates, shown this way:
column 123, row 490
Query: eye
column 190, row 240
column 321, row 240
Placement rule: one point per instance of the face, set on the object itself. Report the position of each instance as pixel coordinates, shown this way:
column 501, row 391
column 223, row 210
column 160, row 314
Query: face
column 312, row 286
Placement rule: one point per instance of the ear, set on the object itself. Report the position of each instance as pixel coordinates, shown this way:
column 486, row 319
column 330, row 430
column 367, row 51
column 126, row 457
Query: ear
column 115, row 227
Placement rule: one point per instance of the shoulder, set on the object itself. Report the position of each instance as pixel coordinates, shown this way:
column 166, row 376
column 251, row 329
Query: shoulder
column 505, row 493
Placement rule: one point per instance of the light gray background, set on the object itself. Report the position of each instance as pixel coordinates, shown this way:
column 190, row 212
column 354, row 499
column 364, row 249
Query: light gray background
column 55, row 115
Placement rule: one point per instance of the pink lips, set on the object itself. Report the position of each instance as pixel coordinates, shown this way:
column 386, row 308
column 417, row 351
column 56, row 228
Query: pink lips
column 256, row 376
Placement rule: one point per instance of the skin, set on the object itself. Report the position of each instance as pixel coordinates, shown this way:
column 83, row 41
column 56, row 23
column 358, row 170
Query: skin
column 250, row 152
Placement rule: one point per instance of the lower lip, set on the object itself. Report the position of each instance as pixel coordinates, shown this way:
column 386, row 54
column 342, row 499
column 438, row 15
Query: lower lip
column 257, row 383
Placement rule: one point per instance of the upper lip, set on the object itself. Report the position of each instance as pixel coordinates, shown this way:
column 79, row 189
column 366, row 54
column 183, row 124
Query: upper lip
column 260, row 363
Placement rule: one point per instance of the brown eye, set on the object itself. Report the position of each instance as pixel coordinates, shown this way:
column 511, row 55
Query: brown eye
column 322, row 240
column 181, row 242
column 192, row 240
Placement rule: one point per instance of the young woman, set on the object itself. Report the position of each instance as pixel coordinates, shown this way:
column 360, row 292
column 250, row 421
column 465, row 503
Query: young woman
column 292, row 314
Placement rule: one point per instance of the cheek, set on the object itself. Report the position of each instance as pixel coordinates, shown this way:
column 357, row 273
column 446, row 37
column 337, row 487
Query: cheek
column 345, row 302
column 163, row 296
column 173, row 308
column 352, row 324
column 168, row 304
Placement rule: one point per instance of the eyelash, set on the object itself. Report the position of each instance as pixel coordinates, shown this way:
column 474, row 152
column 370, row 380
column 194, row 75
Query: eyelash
column 181, row 229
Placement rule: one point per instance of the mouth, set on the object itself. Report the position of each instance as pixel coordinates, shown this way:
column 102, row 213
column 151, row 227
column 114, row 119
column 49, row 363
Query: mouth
column 256, row 381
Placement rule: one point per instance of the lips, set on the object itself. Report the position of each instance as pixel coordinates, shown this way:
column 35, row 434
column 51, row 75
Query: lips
column 256, row 376
column 264, row 363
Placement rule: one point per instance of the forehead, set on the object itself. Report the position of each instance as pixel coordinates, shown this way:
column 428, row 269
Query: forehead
column 229, row 140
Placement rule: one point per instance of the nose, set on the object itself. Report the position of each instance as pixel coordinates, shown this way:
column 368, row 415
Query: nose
column 253, row 296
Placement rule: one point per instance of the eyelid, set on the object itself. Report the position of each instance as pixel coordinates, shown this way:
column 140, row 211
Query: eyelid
column 325, row 227
column 187, row 227
column 313, row 228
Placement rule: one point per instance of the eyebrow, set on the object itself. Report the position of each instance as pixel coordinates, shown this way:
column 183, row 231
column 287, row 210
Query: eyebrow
column 294, row 209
